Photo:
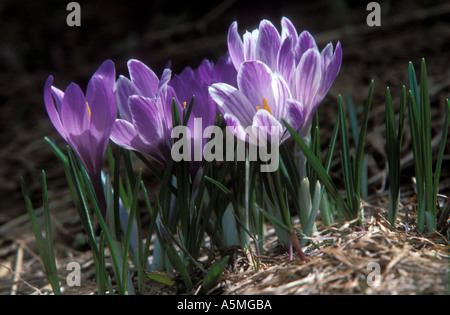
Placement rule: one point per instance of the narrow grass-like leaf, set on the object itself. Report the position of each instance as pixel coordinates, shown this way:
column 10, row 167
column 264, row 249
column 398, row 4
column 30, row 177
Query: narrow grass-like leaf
column 151, row 225
column 161, row 277
column 47, row 258
column 346, row 159
column 59, row 154
column 314, row 209
column 173, row 256
column 321, row 173
column 49, row 232
column 418, row 159
column 361, row 142
column 214, row 275
column 331, row 146
column 352, row 117
column 221, row 186
column 427, row 149
column 83, row 181
column 273, row 219
column 129, row 229
column 393, row 149
column 444, row 134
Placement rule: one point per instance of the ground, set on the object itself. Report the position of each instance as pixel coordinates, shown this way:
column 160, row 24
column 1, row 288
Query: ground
column 38, row 43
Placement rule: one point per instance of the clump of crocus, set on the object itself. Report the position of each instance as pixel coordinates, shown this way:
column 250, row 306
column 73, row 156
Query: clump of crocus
column 307, row 72
column 85, row 121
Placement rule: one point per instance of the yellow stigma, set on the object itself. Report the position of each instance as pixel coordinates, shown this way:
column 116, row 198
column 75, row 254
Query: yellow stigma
column 184, row 104
column 89, row 110
column 265, row 106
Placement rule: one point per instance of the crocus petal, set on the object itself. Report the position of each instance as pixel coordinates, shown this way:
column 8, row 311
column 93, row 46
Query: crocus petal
column 308, row 77
column 294, row 114
column 225, row 72
column 165, row 78
column 74, row 112
column 286, row 60
column 232, row 101
column 124, row 89
column 101, row 99
column 250, row 40
column 125, row 135
column 288, row 29
column 51, row 109
column 205, row 71
column 330, row 73
column 58, row 96
column 146, row 118
column 306, row 41
column 281, row 93
column 235, row 46
column 266, row 125
column 327, row 54
column 234, row 125
column 165, row 107
column 107, row 74
column 143, row 78
column 268, row 44
column 255, row 82
column 102, row 106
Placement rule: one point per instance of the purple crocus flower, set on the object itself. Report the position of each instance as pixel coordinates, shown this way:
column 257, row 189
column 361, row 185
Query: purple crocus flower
column 145, row 121
column 195, row 83
column 145, row 106
column 85, row 122
column 308, row 72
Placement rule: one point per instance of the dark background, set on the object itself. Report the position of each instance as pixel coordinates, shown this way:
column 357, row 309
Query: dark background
column 35, row 42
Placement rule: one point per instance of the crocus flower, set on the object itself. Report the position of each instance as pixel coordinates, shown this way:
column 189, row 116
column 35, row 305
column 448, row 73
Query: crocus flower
column 195, row 83
column 145, row 106
column 308, row 72
column 85, row 122
column 145, row 121
column 261, row 98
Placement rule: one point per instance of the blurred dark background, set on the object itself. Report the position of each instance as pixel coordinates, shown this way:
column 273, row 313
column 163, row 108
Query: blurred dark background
column 35, row 41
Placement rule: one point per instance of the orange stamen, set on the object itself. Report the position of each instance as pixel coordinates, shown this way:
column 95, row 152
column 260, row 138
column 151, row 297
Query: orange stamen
column 265, row 106
column 89, row 110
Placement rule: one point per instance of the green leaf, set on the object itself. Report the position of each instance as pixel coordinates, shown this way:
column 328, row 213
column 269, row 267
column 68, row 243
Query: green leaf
column 129, row 229
column 393, row 155
column 361, row 142
column 161, row 277
column 322, row 174
column 346, row 159
column 174, row 257
column 44, row 249
column 214, row 275
column 219, row 185
column 444, row 134
column 59, row 154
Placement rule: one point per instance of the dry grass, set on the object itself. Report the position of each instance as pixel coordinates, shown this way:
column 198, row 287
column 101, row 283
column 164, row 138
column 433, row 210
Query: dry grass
column 341, row 262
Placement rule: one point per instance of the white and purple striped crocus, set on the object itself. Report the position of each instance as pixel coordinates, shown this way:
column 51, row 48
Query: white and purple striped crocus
column 299, row 73
column 85, row 121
